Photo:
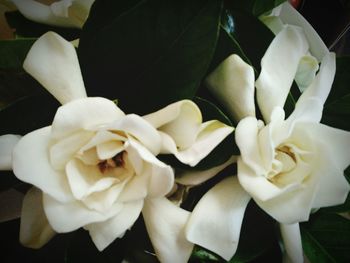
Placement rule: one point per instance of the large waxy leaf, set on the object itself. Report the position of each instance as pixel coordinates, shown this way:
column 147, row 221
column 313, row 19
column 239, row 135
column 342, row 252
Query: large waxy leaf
column 13, row 52
column 256, row 7
column 326, row 238
column 337, row 107
column 27, row 28
column 158, row 53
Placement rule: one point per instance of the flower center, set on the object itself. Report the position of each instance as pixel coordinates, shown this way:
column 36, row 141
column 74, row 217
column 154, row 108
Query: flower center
column 284, row 162
column 112, row 163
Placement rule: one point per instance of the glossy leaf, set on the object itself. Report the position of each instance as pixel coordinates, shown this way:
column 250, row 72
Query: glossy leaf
column 27, row 28
column 158, row 53
column 337, row 107
column 326, row 238
column 256, row 7
column 13, row 52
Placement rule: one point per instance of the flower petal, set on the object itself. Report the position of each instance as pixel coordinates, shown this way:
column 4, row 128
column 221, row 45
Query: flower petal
column 31, row 164
column 215, row 222
column 278, row 68
column 7, row 143
column 290, row 15
column 165, row 223
column 322, row 84
column 84, row 114
column 180, row 120
column 41, row 13
column 140, row 129
column 211, row 134
column 308, row 66
column 54, row 63
column 104, row 233
column 192, row 178
column 35, row 230
column 232, row 82
column 292, row 243
column 67, row 217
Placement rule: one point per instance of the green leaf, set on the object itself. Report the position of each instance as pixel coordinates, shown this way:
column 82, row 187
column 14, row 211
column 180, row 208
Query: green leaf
column 326, row 238
column 27, row 28
column 256, row 7
column 336, row 111
column 13, row 52
column 158, row 53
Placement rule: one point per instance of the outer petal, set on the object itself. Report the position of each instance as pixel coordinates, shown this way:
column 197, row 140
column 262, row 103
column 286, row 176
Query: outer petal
column 232, row 82
column 212, row 133
column 289, row 15
column 84, row 114
column 66, row 217
column 104, row 233
column 278, row 68
column 7, row 143
column 180, row 120
column 334, row 151
column 216, row 220
column 54, row 63
column 292, row 243
column 31, row 164
column 55, row 15
column 35, row 230
column 322, row 84
column 165, row 223
column 308, row 66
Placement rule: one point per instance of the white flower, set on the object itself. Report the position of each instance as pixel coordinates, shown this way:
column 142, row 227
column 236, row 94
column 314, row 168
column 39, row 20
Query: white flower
column 288, row 165
column 65, row 13
column 95, row 167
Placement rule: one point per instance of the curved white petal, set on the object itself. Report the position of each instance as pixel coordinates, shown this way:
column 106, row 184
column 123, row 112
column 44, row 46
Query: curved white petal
column 333, row 148
column 104, row 233
column 211, row 134
column 246, row 136
column 84, row 114
column 32, row 165
column 232, row 82
column 322, row 83
column 292, row 243
column 308, row 66
column 54, row 63
column 215, row 222
column 273, row 22
column 161, row 176
column 180, row 120
column 192, row 178
column 165, row 223
column 55, row 15
column 7, row 143
column 140, row 129
column 67, row 217
column 278, row 68
column 35, row 230
column 290, row 15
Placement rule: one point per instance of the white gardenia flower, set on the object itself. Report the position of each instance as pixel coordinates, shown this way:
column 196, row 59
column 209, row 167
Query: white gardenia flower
column 95, row 167
column 288, row 165
column 64, row 13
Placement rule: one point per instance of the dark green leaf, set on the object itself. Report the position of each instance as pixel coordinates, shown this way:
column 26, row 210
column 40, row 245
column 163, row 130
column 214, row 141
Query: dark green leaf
column 256, row 7
column 337, row 107
column 158, row 53
column 28, row 114
column 203, row 255
column 13, row 52
column 27, row 28
column 326, row 238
